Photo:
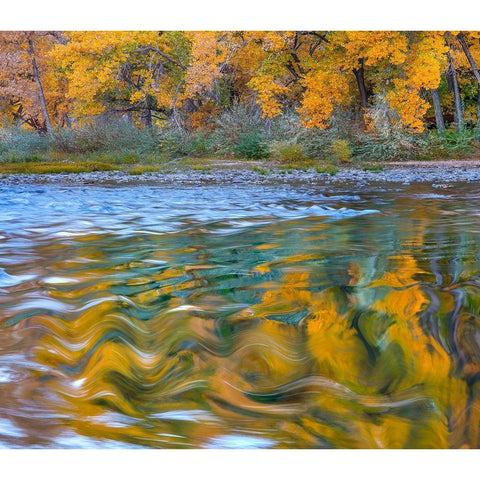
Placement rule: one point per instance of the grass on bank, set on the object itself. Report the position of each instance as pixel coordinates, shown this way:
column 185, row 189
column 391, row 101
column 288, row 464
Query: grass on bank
column 373, row 168
column 330, row 169
column 42, row 165
column 50, row 167
column 54, row 167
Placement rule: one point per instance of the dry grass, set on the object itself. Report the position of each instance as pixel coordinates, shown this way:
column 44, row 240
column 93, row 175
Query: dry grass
column 141, row 169
column 55, row 167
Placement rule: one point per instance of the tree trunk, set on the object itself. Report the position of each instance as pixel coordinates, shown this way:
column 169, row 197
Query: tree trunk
column 127, row 117
column 437, row 107
column 360, row 77
column 475, row 71
column 66, row 122
column 36, row 75
column 146, row 116
column 478, row 110
column 175, row 113
column 458, row 113
column 470, row 59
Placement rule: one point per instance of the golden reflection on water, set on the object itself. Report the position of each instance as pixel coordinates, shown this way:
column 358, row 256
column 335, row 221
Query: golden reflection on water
column 359, row 333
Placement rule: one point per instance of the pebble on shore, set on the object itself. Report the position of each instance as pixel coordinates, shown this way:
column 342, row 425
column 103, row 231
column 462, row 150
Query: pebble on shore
column 440, row 176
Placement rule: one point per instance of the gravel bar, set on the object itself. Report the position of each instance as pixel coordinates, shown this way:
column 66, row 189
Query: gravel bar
column 439, row 174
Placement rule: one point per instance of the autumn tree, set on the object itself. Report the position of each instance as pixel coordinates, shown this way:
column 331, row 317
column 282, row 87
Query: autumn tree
column 470, row 43
column 421, row 72
column 191, row 77
column 122, row 72
column 335, row 69
column 27, row 80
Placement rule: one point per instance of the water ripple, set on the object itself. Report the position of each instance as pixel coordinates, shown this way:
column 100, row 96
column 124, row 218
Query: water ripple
column 238, row 317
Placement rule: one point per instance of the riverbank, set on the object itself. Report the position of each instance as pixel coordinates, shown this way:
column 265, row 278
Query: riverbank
column 438, row 173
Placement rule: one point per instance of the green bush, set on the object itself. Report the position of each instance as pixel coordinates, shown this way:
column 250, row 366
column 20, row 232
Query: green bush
column 399, row 146
column 342, row 151
column 316, row 143
column 239, row 131
column 20, row 143
column 242, row 120
column 251, row 146
column 105, row 135
column 22, row 157
column 170, row 142
column 287, row 151
column 197, row 144
column 458, row 141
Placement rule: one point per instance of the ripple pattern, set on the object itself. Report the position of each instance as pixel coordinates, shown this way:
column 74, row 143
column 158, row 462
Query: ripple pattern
column 233, row 317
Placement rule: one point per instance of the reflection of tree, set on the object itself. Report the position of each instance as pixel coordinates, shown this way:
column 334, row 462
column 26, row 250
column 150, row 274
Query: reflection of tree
column 381, row 378
column 371, row 340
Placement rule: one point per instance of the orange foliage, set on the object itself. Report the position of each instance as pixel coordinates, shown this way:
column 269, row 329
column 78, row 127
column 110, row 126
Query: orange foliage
column 87, row 73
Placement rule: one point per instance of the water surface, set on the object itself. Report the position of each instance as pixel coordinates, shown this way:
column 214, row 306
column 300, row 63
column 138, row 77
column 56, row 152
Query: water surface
column 239, row 317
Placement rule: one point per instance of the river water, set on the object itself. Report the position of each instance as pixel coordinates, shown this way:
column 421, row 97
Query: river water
column 239, row 317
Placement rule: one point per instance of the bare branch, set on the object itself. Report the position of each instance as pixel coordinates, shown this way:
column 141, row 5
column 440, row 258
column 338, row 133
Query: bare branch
column 164, row 55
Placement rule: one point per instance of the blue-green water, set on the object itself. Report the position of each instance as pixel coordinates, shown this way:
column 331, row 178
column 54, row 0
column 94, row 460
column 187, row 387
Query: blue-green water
column 225, row 316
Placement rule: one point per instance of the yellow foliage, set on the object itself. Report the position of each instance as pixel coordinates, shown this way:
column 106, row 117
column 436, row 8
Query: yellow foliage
column 126, row 65
column 324, row 91
column 206, row 58
column 267, row 91
column 425, row 63
column 85, row 73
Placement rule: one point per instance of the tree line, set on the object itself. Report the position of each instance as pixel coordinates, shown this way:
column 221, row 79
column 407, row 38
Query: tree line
column 412, row 80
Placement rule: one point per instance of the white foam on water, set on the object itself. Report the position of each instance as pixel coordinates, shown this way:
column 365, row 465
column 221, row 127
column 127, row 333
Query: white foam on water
column 196, row 416
column 59, row 280
column 9, row 429
column 72, row 440
column 184, row 308
column 6, row 374
column 239, row 442
column 7, row 280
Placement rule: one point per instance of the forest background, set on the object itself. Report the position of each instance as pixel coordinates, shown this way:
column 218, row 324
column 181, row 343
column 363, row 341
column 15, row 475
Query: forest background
column 146, row 97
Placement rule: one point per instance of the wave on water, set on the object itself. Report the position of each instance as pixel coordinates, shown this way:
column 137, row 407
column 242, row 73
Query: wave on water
column 226, row 317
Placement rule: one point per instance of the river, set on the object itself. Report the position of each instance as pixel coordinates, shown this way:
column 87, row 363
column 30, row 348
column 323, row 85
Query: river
column 274, row 316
